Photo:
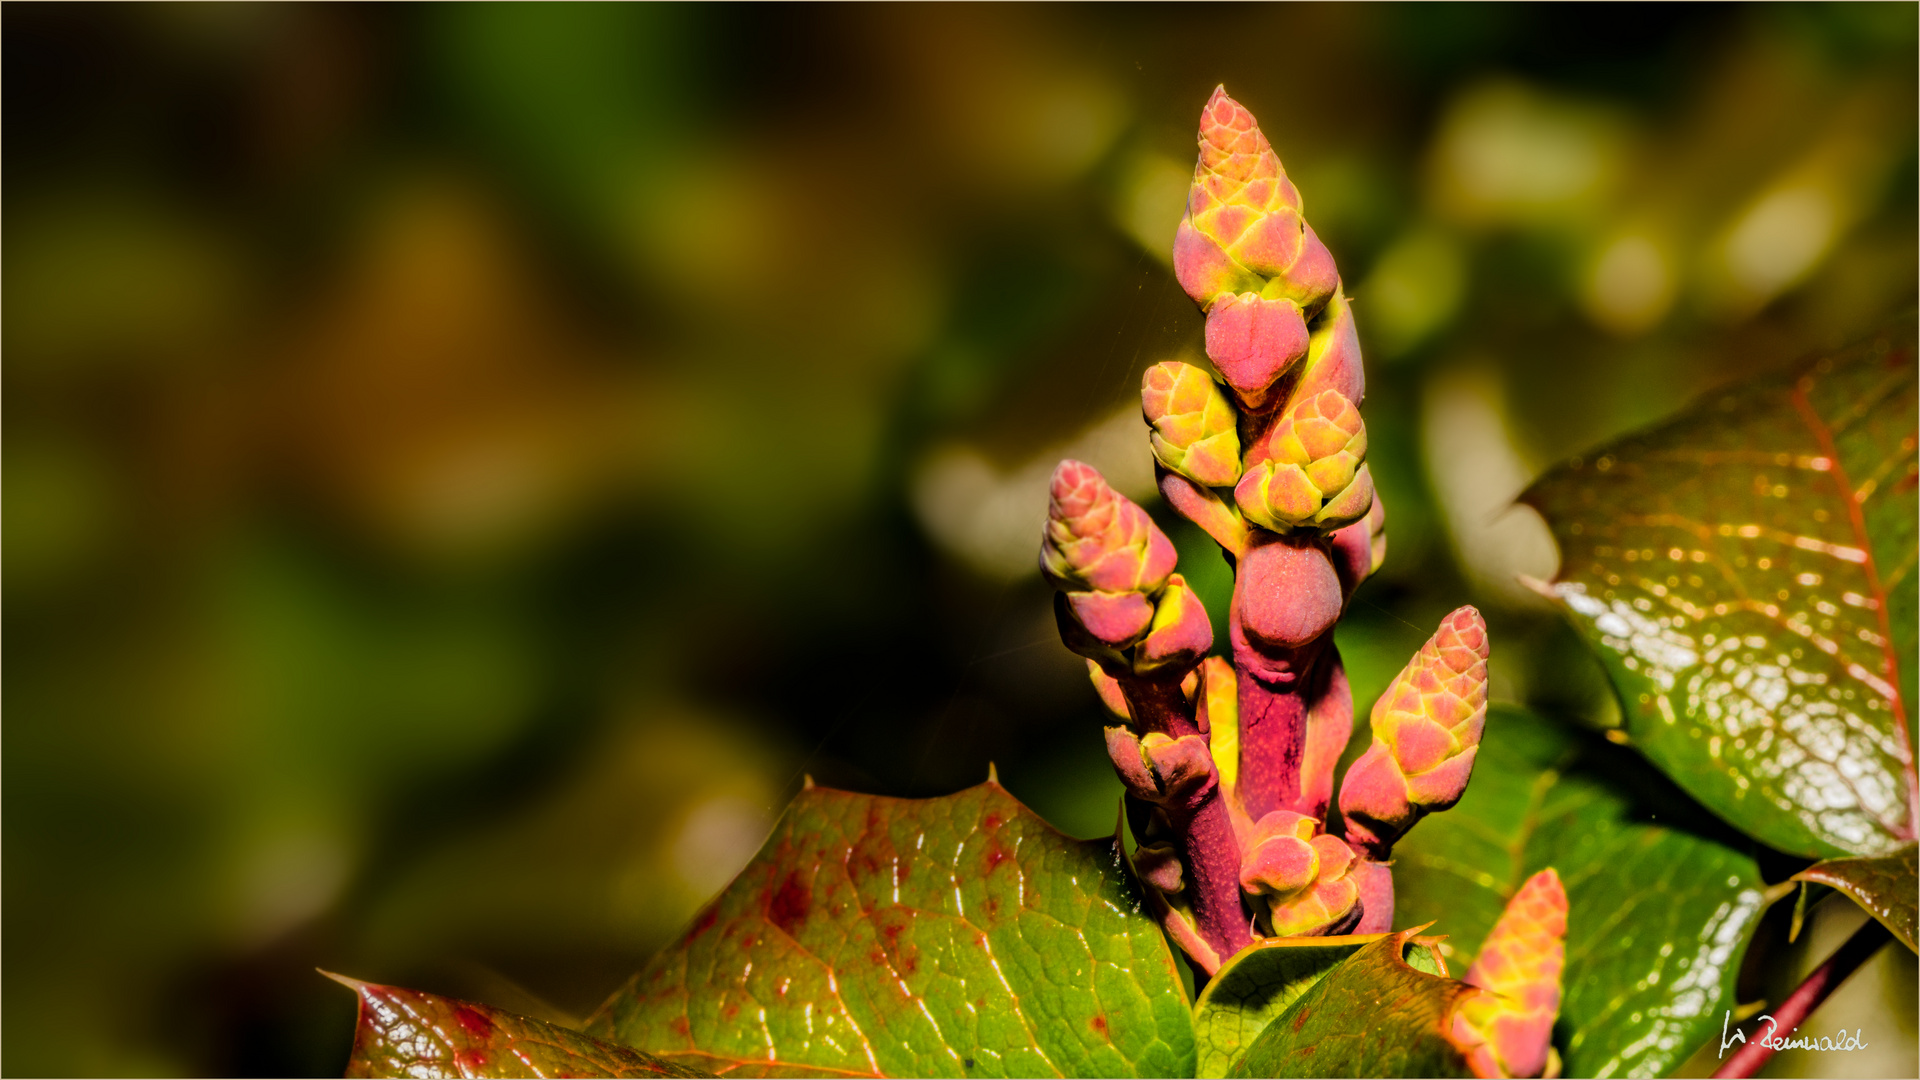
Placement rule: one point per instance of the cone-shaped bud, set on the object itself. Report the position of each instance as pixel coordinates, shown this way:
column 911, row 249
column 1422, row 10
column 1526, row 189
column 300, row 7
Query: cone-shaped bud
column 1426, row 733
column 1253, row 342
column 1159, row 866
column 1308, row 473
column 1244, row 231
column 1180, row 634
column 1097, row 538
column 1109, row 558
column 1195, row 431
column 1521, row 963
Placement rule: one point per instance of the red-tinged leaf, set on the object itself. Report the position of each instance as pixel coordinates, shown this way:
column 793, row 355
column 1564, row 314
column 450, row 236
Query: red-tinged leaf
column 1372, row 1015
column 409, row 1033
column 959, row 936
column 1259, row 982
column 1884, row 885
column 1746, row 572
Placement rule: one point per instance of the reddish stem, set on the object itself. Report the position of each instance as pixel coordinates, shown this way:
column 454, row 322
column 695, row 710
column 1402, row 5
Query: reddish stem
column 1801, row 1003
column 1275, row 696
column 1204, row 830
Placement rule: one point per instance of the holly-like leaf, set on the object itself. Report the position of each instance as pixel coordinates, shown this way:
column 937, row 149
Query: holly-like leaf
column 409, row 1033
column 1257, row 984
column 1373, row 1014
column 959, row 936
column 1746, row 571
column 1661, row 897
column 1884, row 885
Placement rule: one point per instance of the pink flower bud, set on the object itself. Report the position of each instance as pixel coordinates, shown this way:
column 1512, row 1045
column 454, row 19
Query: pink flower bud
column 1285, row 592
column 1426, row 734
column 1195, row 429
column 1253, row 342
column 1280, row 859
column 1096, row 538
column 1243, row 205
column 1521, row 963
column 1308, row 471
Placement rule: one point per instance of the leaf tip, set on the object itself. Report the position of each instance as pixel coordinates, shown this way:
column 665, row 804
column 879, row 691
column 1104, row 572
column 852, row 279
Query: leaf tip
column 806, row 782
column 993, row 774
column 348, row 981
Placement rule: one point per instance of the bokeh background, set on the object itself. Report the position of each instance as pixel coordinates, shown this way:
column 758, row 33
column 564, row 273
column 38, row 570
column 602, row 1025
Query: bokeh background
column 464, row 464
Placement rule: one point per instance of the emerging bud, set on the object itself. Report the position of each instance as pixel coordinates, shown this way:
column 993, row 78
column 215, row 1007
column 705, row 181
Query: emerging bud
column 1280, row 860
column 1303, row 876
column 1159, row 769
column 1253, row 342
column 1308, row 472
column 1426, row 733
column 1194, row 425
column 1096, row 538
column 1244, row 219
column 1521, row 963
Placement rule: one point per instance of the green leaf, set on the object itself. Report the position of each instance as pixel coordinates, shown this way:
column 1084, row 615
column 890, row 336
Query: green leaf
column 1884, row 885
column 1257, row 984
column 959, row 936
column 1746, row 572
column 1661, row 897
column 408, row 1033
column 1372, row 1015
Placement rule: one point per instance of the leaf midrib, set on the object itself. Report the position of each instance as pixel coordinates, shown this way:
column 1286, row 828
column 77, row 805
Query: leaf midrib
column 1856, row 517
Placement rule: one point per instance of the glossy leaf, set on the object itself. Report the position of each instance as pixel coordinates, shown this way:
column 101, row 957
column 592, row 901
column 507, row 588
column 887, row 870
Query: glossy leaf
column 1373, row 1014
column 1884, row 885
column 1661, row 897
column 959, row 936
column 1259, row 982
column 409, row 1033
column 1746, row 572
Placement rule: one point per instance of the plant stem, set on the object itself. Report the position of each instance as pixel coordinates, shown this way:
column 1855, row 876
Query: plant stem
column 1204, row 830
column 1807, row 997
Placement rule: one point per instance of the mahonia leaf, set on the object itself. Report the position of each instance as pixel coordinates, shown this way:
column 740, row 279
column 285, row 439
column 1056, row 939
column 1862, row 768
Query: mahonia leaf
column 1746, row 571
column 959, row 936
column 1661, row 897
column 1259, row 982
column 1884, row 885
column 409, row 1033
column 1373, row 1014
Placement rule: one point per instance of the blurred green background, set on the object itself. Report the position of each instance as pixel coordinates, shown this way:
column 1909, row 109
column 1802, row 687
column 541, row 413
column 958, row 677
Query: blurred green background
column 464, row 464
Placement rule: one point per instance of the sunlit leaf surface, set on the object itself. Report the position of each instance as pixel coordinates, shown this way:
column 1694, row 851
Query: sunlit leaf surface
column 408, row 1033
column 1884, row 885
column 1259, row 982
column 1372, row 1015
column 1747, row 573
column 959, row 936
column 1661, row 898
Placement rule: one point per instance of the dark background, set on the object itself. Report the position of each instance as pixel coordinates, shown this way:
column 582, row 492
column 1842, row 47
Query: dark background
column 464, row 464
